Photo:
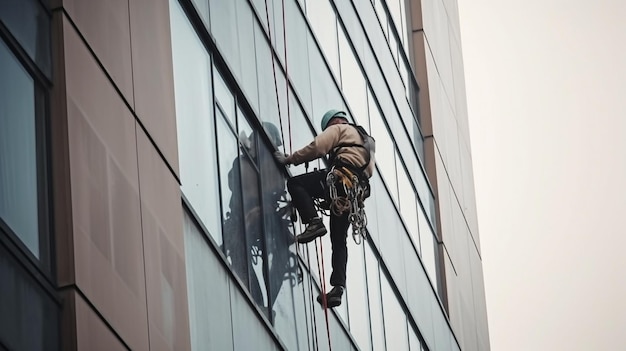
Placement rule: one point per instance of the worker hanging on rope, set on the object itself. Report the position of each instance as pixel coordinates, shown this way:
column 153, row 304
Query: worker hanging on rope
column 344, row 185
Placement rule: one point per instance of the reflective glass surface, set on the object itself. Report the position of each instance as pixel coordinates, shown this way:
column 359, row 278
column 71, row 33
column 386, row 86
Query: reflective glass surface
column 209, row 318
column 323, row 20
column 356, row 289
column 195, row 122
column 18, row 151
column 29, row 23
column 375, row 301
column 353, row 82
column 233, row 215
column 396, row 336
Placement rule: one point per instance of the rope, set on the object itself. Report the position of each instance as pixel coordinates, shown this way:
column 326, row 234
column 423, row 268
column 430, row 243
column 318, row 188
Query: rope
column 323, row 279
column 314, row 324
column 269, row 33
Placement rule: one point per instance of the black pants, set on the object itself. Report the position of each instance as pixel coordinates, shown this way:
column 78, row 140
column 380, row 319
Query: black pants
column 303, row 189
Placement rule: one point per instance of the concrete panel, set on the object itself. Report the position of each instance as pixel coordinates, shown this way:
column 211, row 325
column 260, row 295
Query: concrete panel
column 105, row 25
column 153, row 74
column 107, row 238
column 164, row 245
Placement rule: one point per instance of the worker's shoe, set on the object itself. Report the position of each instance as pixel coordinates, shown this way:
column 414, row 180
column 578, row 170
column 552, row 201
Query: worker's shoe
column 333, row 298
column 313, row 230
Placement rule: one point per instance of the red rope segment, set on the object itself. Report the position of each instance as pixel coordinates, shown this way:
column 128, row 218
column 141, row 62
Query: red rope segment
column 323, row 279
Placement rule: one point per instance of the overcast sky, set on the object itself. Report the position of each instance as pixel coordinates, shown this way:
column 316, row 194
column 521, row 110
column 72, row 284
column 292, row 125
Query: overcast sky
column 546, row 88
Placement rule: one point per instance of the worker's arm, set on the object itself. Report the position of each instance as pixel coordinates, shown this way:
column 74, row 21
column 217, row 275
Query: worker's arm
column 320, row 146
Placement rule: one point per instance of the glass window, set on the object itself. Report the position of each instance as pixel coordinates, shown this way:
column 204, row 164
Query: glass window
column 324, row 93
column 19, row 199
column 408, row 205
column 29, row 23
column 246, row 75
column 224, row 98
column 207, row 293
column 298, row 54
column 353, row 82
column 385, row 150
column 428, row 249
column 248, row 188
column 195, row 122
column 356, row 290
column 324, row 23
column 395, row 320
column 232, row 199
column 224, row 29
column 376, row 311
column 414, row 341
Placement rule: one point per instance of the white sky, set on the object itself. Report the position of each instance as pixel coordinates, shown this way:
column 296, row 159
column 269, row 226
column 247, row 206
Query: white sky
column 546, row 88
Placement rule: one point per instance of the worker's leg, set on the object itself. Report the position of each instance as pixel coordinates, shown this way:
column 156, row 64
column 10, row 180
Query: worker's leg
column 303, row 189
column 338, row 234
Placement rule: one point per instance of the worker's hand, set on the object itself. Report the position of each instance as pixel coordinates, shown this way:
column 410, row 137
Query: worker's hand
column 281, row 157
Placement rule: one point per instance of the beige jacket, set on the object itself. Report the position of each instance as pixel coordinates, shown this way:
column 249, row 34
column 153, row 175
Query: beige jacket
column 333, row 136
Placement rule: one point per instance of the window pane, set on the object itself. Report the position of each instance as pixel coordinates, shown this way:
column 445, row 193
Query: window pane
column 225, row 98
column 376, row 312
column 408, row 205
column 356, row 289
column 323, row 21
column 195, row 122
column 18, row 152
column 208, row 293
column 395, row 320
column 353, row 83
column 232, row 200
column 428, row 249
column 29, row 23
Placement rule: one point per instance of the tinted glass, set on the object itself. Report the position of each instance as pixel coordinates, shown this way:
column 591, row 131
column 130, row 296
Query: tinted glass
column 395, row 320
column 353, row 82
column 233, row 215
column 376, row 311
column 18, row 151
column 195, row 122
column 29, row 23
column 28, row 318
column 323, row 20
column 207, row 293
column 428, row 249
column 356, row 289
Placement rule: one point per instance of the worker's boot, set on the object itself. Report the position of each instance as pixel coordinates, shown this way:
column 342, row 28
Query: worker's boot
column 313, row 230
column 333, row 298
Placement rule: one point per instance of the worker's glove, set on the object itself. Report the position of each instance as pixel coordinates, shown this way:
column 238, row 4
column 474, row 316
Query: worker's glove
column 281, row 157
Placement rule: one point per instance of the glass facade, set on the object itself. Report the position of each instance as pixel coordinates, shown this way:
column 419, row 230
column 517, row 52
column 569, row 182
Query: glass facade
column 256, row 76
column 28, row 302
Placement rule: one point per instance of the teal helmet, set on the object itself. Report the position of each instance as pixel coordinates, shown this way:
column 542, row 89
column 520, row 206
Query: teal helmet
column 273, row 133
column 330, row 115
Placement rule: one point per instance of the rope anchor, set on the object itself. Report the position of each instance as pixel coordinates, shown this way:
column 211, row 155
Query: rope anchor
column 352, row 201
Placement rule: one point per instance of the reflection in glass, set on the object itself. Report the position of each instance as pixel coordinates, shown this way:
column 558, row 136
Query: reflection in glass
column 195, row 122
column 18, row 151
column 232, row 200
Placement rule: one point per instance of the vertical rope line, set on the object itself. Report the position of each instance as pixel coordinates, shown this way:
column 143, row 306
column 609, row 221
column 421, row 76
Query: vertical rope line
column 323, row 279
column 314, row 326
column 269, row 33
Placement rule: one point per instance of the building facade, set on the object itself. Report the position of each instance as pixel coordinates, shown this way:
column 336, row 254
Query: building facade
column 141, row 207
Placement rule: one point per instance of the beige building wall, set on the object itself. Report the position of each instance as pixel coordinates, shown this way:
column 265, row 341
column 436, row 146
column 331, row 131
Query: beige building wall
column 438, row 63
column 118, row 213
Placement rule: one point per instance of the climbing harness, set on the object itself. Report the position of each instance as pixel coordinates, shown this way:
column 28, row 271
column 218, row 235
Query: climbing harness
column 355, row 192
